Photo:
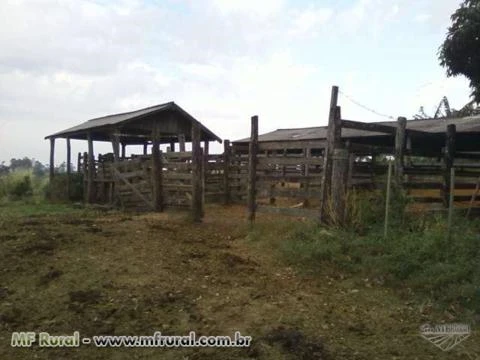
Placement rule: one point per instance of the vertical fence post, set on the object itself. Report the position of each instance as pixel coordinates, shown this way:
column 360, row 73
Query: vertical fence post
column 204, row 171
column 157, row 170
column 79, row 163
column 52, row 158
column 451, row 202
column 339, row 173
column 226, row 171
column 69, row 166
column 400, row 150
column 91, row 171
column 181, row 142
column 327, row 163
column 387, row 200
column 252, row 169
column 448, row 160
column 197, row 188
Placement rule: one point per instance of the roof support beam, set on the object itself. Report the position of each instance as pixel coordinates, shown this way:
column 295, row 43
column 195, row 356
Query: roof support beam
column 69, row 166
column 52, row 158
column 91, row 171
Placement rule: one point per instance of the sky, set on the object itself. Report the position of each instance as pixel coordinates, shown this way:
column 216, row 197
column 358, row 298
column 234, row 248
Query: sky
column 66, row 61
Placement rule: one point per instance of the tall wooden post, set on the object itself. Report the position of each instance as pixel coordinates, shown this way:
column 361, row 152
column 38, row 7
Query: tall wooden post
column 339, row 173
column 197, row 162
column 330, row 145
column 69, row 166
column 252, row 169
column 145, row 148
column 226, row 171
column 205, row 170
column 79, row 163
column 181, row 142
column 116, row 147
column 52, row 158
column 91, row 171
column 157, row 170
column 172, row 146
column 449, row 157
column 123, row 150
column 400, row 143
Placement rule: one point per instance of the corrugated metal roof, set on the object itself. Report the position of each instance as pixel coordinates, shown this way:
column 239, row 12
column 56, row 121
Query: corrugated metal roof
column 470, row 124
column 115, row 119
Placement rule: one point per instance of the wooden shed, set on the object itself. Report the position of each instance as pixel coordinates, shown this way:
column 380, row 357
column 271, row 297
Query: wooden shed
column 153, row 179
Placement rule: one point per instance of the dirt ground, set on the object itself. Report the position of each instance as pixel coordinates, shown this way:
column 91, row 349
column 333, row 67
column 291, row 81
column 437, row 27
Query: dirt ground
column 125, row 274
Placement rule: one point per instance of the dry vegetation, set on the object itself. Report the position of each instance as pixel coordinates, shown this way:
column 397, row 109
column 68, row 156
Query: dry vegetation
column 66, row 269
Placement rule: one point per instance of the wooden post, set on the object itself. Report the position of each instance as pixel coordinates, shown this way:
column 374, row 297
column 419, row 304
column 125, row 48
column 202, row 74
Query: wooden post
column 400, row 150
column 91, row 171
column 157, row 170
column 252, row 169
column 306, row 173
column 226, row 171
column 123, row 150
column 451, row 202
column 69, row 166
column 181, row 142
column 172, row 146
column 116, row 148
column 79, row 163
column 449, row 157
column 339, row 173
column 327, row 162
column 204, row 171
column 52, row 158
column 145, row 148
column 197, row 183
column 387, row 200
column 85, row 176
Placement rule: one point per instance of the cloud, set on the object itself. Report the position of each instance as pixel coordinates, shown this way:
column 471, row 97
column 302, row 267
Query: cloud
column 306, row 22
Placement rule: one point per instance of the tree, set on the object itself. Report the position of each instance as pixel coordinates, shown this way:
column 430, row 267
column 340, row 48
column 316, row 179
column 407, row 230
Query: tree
column 460, row 52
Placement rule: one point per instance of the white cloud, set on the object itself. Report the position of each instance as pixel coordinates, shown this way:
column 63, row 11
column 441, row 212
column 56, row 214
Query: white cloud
column 306, row 22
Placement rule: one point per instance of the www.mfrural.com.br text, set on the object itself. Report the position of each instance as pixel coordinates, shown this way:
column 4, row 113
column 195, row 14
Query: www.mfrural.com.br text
column 44, row 339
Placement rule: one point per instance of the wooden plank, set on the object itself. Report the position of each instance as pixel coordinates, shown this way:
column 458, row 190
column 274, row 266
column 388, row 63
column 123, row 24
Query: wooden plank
column 339, row 187
column 252, row 169
column 289, row 161
column 292, row 144
column 178, row 155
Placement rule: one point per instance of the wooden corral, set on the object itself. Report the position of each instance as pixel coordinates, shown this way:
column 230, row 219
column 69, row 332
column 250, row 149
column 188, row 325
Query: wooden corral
column 148, row 181
column 308, row 171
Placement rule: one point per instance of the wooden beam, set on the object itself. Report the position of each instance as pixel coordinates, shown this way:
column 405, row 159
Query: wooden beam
column 157, row 170
column 331, row 139
column 172, row 146
column 339, row 186
column 197, row 188
column 226, row 172
column 400, row 149
column 123, row 150
column 69, row 166
column 181, row 142
column 204, row 170
column 116, row 147
column 79, row 163
column 52, row 158
column 91, row 171
column 252, row 169
column 145, row 148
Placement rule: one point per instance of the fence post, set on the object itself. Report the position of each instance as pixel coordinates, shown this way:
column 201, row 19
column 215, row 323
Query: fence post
column 52, row 158
column 204, row 172
column 91, row 171
column 181, row 142
column 330, row 145
column 226, row 171
column 387, row 200
column 156, row 171
column 451, row 202
column 197, row 188
column 69, row 166
column 252, row 169
column 448, row 160
column 400, row 150
column 339, row 173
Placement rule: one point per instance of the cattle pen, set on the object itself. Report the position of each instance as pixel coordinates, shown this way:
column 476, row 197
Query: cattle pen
column 300, row 171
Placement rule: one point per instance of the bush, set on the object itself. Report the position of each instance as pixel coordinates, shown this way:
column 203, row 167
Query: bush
column 56, row 190
column 16, row 185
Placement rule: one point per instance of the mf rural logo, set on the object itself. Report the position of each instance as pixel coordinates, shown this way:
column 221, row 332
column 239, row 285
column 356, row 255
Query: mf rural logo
column 446, row 336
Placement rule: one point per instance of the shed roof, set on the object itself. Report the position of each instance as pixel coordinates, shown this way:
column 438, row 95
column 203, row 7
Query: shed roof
column 101, row 127
column 470, row 125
